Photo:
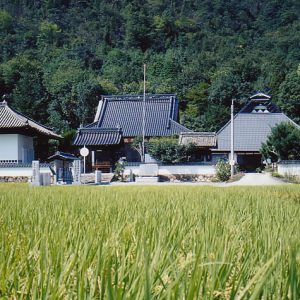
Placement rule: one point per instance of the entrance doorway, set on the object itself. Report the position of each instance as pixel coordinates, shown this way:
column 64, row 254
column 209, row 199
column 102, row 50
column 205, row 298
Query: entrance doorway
column 249, row 162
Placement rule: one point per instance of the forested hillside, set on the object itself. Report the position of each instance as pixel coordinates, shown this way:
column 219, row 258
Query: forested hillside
column 58, row 56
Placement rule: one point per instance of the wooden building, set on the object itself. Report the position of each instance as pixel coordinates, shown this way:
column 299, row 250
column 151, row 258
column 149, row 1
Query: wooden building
column 252, row 126
column 119, row 119
column 17, row 133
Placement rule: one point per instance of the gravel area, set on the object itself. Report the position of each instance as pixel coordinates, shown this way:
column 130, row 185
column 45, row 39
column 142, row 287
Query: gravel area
column 257, row 179
column 247, row 179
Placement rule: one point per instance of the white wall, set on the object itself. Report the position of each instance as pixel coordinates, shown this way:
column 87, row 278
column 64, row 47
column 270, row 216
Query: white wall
column 25, row 148
column 177, row 170
column 14, row 172
column 289, row 169
column 187, row 170
column 9, row 147
column 16, row 148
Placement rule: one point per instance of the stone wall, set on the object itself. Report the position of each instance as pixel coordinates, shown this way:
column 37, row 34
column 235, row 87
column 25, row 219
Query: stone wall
column 187, row 178
column 19, row 179
column 15, row 179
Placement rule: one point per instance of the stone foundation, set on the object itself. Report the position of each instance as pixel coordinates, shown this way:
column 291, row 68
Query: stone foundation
column 15, row 179
column 191, row 178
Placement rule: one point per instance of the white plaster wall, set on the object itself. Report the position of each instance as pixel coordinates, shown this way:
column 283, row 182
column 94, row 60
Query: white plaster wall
column 9, row 147
column 25, row 148
column 134, row 169
column 20, row 171
column 187, row 170
column 289, row 169
column 177, row 170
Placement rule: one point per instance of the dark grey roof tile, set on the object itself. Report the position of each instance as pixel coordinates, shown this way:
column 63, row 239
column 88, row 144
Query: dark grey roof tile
column 97, row 136
column 250, row 130
column 10, row 118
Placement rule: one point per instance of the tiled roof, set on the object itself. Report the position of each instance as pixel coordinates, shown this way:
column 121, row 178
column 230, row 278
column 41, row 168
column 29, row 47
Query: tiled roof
column 63, row 156
column 10, row 119
column 260, row 102
column 126, row 112
column 200, row 139
column 250, row 131
column 97, row 136
column 122, row 116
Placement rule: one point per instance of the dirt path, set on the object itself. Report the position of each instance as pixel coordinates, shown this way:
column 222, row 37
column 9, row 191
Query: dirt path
column 257, row 179
column 251, row 179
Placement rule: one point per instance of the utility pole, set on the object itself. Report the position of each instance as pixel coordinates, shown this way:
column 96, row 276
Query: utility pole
column 144, row 115
column 232, row 139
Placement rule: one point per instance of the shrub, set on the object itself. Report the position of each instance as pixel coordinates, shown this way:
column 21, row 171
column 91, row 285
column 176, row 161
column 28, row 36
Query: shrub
column 259, row 170
column 119, row 170
column 223, row 170
column 275, row 174
column 167, row 150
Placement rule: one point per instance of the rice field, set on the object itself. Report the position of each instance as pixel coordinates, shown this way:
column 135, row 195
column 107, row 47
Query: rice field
column 168, row 242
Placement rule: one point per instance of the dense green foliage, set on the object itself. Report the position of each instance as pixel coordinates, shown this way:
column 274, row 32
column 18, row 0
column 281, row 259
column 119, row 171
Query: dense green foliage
column 282, row 143
column 167, row 150
column 149, row 242
column 58, row 56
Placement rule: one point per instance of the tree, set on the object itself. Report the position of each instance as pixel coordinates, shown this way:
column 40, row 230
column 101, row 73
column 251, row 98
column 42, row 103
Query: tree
column 283, row 143
column 167, row 150
column 289, row 96
column 24, row 83
column 137, row 144
column 74, row 92
column 49, row 34
column 207, row 52
column 6, row 21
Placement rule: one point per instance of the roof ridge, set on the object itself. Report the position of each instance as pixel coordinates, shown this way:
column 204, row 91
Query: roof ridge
column 180, row 125
column 171, row 101
column 102, row 111
column 105, row 129
column 138, row 97
column 198, row 132
column 13, row 114
column 24, row 121
column 17, row 114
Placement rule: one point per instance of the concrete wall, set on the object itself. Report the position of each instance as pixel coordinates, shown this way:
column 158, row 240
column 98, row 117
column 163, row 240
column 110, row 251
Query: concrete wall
column 289, row 168
column 177, row 170
column 13, row 172
column 9, row 148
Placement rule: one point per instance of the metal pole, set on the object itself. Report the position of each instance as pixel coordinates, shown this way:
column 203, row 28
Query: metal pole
column 232, row 139
column 84, row 163
column 144, row 115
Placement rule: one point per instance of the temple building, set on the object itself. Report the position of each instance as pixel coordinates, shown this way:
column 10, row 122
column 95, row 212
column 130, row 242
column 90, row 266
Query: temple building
column 252, row 126
column 17, row 133
column 119, row 119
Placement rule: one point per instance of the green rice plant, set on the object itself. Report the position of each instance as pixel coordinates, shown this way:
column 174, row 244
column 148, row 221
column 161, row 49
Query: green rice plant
column 152, row 242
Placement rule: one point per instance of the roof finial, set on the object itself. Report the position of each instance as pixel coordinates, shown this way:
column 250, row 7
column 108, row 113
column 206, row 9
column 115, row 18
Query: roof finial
column 4, row 97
